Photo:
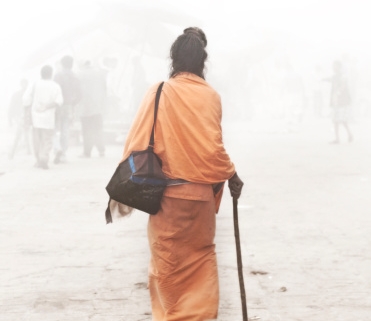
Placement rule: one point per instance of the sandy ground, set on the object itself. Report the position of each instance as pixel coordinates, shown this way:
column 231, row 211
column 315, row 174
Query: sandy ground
column 305, row 222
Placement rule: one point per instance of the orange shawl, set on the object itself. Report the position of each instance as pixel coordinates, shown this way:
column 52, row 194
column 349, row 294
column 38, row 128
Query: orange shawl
column 188, row 133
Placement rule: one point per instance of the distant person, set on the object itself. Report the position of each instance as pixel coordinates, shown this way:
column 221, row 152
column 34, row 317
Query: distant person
column 340, row 101
column 43, row 97
column 65, row 113
column 16, row 104
column 92, row 107
column 18, row 116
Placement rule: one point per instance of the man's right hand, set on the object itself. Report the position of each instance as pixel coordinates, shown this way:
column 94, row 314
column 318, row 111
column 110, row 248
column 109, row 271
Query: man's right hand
column 235, row 186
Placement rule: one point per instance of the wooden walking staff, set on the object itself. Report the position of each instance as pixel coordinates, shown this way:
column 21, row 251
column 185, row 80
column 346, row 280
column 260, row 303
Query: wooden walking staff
column 239, row 260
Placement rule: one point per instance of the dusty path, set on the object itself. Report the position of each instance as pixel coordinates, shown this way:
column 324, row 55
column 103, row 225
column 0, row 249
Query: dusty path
column 305, row 220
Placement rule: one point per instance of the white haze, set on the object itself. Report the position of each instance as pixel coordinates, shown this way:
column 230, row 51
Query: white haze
column 305, row 208
column 246, row 38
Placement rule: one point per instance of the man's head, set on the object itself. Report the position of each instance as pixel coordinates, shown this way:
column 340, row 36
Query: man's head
column 46, row 72
column 188, row 53
column 67, row 62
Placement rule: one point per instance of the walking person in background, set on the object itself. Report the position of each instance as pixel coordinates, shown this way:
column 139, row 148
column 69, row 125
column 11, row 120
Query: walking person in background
column 16, row 103
column 43, row 97
column 92, row 106
column 340, row 101
column 183, row 275
column 65, row 113
column 18, row 116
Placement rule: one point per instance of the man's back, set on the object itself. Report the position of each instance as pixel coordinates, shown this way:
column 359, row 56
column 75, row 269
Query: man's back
column 93, row 91
column 44, row 94
column 70, row 86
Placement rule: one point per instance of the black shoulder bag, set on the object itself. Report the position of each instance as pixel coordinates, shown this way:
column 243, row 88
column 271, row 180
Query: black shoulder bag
column 138, row 181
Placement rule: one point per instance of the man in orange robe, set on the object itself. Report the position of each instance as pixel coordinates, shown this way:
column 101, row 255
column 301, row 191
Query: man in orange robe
column 183, row 277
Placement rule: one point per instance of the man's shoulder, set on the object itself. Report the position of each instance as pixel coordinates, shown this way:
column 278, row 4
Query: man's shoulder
column 65, row 74
column 53, row 84
column 58, row 76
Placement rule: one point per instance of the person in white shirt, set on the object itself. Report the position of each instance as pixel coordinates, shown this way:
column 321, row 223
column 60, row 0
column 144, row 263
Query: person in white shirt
column 43, row 97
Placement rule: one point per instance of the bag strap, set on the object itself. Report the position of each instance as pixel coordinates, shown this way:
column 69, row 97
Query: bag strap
column 150, row 147
column 151, row 143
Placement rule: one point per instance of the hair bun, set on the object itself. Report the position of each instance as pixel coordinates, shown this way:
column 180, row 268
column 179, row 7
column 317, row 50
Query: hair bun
column 198, row 32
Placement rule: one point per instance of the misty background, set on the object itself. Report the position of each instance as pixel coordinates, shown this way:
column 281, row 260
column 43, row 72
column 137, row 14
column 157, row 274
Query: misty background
column 258, row 51
column 305, row 208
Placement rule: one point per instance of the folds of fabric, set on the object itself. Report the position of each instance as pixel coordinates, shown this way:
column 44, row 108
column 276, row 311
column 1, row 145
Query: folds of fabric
column 183, row 277
column 188, row 134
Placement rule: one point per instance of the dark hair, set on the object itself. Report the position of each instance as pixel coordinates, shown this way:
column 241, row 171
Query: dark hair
column 188, row 53
column 67, row 62
column 46, row 72
column 199, row 32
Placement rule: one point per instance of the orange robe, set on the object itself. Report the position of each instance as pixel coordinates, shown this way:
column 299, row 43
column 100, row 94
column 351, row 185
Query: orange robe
column 183, row 278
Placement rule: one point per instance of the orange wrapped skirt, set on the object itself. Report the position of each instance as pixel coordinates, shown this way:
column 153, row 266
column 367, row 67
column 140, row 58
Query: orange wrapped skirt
column 183, row 276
